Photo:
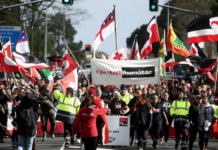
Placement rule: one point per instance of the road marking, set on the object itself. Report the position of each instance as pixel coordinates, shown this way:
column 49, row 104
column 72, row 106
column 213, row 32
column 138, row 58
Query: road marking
column 62, row 147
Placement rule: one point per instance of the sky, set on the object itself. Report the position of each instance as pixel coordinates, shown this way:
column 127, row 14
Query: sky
column 130, row 14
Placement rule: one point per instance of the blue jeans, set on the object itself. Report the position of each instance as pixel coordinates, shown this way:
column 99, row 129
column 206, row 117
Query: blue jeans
column 207, row 136
column 25, row 138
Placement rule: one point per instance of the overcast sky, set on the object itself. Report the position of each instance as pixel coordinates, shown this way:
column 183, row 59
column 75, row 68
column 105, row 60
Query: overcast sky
column 131, row 14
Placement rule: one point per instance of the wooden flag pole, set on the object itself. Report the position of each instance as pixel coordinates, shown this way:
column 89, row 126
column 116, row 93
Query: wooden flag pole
column 76, row 61
column 115, row 27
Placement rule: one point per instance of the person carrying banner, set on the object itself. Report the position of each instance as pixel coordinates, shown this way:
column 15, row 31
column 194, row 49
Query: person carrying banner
column 88, row 116
column 125, row 96
column 143, row 121
column 117, row 106
column 180, row 114
column 68, row 109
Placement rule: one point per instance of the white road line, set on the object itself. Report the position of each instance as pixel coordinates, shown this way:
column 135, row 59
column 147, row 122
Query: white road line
column 62, row 147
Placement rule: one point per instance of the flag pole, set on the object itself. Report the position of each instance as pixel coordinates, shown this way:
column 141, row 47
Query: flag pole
column 173, row 77
column 115, row 27
column 164, row 58
column 76, row 61
column 216, row 78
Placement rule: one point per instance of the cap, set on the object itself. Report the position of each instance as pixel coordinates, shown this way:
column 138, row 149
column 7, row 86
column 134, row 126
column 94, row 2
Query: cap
column 123, row 87
column 92, row 91
column 198, row 96
column 116, row 94
column 113, row 89
column 138, row 93
column 155, row 97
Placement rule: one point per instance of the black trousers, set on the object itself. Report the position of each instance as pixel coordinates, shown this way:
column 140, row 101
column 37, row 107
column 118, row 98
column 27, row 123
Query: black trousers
column 3, row 121
column 90, row 143
column 193, row 132
column 68, row 130
column 184, row 131
column 165, row 130
column 155, row 130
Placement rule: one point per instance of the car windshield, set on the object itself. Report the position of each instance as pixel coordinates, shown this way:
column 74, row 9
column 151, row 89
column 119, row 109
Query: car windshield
column 182, row 69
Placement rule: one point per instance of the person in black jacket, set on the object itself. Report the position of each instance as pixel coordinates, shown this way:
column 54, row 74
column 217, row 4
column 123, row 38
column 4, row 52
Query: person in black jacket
column 26, row 134
column 143, row 121
column 197, row 117
column 3, row 111
column 167, row 104
column 158, row 112
column 132, row 106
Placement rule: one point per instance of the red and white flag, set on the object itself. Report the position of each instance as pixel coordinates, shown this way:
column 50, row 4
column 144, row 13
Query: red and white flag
column 8, row 65
column 35, row 73
column 70, row 80
column 106, row 29
column 135, row 50
column 68, row 64
column 7, row 48
column 150, row 36
column 118, row 55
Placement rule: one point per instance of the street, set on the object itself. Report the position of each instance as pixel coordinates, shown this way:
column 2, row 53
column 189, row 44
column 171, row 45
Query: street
column 58, row 144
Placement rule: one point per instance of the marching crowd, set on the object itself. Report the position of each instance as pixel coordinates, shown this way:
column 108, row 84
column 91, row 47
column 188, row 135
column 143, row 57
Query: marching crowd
column 152, row 109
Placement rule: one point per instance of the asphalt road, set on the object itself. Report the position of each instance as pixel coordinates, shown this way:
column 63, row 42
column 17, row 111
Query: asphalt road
column 58, row 144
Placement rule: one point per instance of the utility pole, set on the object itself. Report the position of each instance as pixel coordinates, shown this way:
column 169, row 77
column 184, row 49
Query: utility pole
column 45, row 50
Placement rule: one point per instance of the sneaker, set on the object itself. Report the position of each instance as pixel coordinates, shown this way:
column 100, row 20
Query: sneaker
column 161, row 141
column 67, row 145
column 78, row 140
column 140, row 148
column 166, row 144
column 205, row 147
column 132, row 142
column 82, row 146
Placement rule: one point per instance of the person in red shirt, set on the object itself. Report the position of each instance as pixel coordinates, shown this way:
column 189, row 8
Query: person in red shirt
column 87, row 116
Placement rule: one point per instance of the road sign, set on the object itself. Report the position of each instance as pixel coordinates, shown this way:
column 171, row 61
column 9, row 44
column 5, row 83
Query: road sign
column 10, row 31
column 169, row 76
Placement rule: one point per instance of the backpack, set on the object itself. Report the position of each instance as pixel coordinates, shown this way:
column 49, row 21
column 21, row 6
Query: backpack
column 28, row 118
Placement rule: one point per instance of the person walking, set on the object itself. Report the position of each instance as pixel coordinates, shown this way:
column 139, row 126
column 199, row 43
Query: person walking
column 68, row 109
column 87, row 116
column 47, row 104
column 167, row 104
column 209, row 117
column 143, row 121
column 26, row 120
column 180, row 114
column 197, row 117
column 158, row 112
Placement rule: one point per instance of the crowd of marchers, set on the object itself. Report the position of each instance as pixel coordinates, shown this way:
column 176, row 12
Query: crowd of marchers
column 152, row 109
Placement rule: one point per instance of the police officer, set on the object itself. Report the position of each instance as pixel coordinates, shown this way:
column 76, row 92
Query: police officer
column 46, row 100
column 68, row 109
column 125, row 96
column 180, row 112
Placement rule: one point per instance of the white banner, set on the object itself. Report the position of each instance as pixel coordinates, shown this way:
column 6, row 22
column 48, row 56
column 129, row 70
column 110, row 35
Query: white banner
column 119, row 128
column 130, row 72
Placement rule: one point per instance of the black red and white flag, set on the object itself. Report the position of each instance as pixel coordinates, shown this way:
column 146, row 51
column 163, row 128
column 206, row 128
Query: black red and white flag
column 197, row 51
column 7, row 48
column 24, row 61
column 150, row 36
column 54, row 59
column 135, row 50
column 204, row 65
column 203, row 29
